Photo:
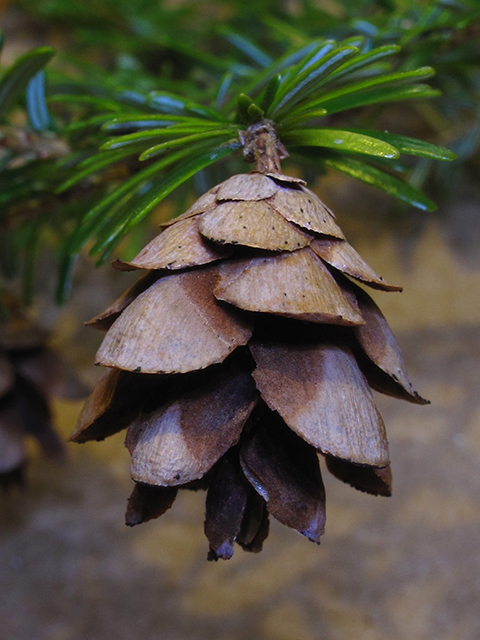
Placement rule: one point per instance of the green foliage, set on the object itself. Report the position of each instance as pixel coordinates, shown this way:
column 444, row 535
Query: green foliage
column 178, row 84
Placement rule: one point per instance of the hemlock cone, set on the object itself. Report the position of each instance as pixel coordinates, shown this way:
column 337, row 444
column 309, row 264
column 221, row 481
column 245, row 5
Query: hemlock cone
column 244, row 350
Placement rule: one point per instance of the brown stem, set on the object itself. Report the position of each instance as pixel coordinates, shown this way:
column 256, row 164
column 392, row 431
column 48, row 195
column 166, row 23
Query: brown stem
column 262, row 146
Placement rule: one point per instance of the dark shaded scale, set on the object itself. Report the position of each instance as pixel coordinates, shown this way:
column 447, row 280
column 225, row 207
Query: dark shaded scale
column 255, row 524
column 377, row 350
column 225, row 505
column 146, row 503
column 284, row 471
column 320, row 392
column 377, row 481
column 116, row 401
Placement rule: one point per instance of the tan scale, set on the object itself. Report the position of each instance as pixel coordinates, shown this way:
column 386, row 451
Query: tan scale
column 175, row 326
column 297, row 285
column 281, row 177
column 177, row 247
column 304, row 208
column 247, row 186
column 341, row 255
column 252, row 224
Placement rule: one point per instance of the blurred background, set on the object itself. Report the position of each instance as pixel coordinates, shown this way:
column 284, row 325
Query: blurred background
column 405, row 567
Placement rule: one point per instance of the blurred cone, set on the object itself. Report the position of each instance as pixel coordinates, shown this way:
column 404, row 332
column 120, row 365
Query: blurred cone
column 30, row 374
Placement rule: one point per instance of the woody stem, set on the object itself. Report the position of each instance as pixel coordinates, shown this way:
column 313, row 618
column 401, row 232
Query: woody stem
column 262, row 146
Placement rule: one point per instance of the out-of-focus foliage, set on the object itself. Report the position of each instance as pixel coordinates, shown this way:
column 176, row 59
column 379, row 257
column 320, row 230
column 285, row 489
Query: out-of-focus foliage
column 27, row 168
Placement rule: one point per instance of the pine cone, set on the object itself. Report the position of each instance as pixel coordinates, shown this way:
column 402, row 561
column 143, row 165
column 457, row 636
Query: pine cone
column 30, row 374
column 240, row 354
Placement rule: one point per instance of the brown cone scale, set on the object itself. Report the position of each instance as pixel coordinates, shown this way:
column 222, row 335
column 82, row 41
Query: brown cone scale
column 252, row 224
column 117, row 399
column 341, row 255
column 147, row 502
column 103, row 321
column 181, row 441
column 255, row 524
column 289, row 180
column 284, row 471
column 253, row 186
column 178, row 247
column 377, row 481
column 305, row 209
column 202, row 204
column 296, row 285
column 322, row 395
column 384, row 367
column 225, row 506
column 175, row 326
